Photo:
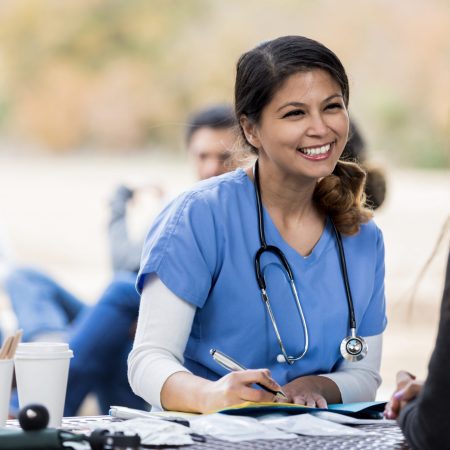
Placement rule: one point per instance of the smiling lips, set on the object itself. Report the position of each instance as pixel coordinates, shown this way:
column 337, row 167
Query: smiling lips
column 316, row 153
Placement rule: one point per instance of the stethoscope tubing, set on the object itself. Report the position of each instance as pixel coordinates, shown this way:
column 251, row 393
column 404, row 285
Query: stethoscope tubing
column 343, row 263
column 282, row 258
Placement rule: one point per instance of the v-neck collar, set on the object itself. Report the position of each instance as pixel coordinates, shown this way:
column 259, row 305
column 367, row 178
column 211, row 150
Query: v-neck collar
column 274, row 237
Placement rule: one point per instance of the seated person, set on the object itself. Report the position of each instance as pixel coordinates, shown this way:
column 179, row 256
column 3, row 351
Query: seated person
column 251, row 263
column 422, row 407
column 101, row 336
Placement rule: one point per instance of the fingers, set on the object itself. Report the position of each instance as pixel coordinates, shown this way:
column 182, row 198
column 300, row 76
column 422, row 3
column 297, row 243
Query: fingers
column 392, row 409
column 268, row 381
column 403, row 378
column 408, row 391
column 311, row 400
column 255, row 395
column 238, row 385
column 257, row 376
column 321, row 402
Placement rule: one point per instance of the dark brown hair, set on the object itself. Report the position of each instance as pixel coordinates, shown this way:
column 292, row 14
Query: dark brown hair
column 260, row 73
column 219, row 116
column 376, row 184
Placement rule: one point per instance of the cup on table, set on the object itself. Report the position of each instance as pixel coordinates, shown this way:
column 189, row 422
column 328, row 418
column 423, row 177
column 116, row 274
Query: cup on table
column 42, row 369
column 6, row 373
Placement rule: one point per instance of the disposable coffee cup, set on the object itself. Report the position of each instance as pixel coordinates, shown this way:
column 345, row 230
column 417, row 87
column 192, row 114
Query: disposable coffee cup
column 6, row 373
column 42, row 369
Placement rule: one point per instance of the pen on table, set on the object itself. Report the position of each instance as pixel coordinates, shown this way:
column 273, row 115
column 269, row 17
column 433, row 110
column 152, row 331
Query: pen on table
column 230, row 364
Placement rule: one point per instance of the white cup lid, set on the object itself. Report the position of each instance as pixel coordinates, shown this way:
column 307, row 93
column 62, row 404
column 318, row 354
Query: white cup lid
column 43, row 350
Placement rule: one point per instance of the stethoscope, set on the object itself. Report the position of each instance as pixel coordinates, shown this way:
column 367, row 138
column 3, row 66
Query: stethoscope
column 353, row 347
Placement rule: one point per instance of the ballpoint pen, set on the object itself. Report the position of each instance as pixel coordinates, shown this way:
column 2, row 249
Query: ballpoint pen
column 231, row 365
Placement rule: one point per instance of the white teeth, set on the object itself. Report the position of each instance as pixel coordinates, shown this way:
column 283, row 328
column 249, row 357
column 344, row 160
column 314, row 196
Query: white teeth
column 316, row 151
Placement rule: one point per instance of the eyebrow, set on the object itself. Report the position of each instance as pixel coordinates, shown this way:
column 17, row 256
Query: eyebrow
column 300, row 104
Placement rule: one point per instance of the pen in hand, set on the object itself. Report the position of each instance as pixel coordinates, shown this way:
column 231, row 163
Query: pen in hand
column 231, row 365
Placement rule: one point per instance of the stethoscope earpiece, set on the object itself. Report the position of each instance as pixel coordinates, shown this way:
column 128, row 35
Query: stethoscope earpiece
column 281, row 359
column 353, row 348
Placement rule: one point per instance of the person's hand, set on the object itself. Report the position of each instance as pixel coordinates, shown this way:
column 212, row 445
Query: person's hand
column 236, row 387
column 407, row 389
column 308, row 391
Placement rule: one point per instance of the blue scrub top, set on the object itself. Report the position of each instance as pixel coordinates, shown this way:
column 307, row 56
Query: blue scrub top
column 202, row 247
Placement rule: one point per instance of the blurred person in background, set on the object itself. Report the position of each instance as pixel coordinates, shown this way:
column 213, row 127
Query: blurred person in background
column 355, row 150
column 101, row 336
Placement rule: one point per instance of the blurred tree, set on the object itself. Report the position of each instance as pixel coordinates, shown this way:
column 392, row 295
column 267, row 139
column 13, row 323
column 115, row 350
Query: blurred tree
column 123, row 74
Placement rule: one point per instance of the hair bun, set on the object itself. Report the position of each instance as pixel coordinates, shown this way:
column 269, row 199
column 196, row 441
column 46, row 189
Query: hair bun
column 341, row 195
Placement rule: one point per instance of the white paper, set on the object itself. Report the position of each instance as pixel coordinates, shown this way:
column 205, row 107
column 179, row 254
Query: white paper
column 153, row 431
column 348, row 420
column 236, row 428
column 122, row 412
column 309, row 425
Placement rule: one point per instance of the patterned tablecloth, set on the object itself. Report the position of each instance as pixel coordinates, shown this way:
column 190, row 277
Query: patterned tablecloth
column 381, row 437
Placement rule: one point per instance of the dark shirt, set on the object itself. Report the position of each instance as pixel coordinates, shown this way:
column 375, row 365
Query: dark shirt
column 426, row 420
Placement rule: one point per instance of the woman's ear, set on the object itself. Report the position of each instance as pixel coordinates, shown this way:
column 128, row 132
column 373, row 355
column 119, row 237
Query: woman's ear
column 250, row 132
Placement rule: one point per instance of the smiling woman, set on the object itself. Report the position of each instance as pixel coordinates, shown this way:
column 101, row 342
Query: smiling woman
column 316, row 129
column 297, row 215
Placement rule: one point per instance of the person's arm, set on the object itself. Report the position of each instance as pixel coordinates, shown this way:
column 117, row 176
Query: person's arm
column 358, row 381
column 125, row 254
column 155, row 365
column 162, row 317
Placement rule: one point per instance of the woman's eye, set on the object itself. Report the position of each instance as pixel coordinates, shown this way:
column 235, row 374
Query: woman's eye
column 334, row 106
column 294, row 113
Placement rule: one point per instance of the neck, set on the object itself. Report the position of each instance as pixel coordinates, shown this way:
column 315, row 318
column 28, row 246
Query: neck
column 290, row 199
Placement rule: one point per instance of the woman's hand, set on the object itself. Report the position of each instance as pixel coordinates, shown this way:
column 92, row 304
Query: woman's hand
column 407, row 389
column 314, row 391
column 236, row 387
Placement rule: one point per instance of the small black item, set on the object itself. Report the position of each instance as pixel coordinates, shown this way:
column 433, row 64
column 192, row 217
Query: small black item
column 178, row 420
column 197, row 437
column 103, row 440
column 96, row 439
column 33, row 417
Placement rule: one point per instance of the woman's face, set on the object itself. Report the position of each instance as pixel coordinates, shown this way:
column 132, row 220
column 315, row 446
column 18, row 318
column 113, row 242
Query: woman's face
column 304, row 129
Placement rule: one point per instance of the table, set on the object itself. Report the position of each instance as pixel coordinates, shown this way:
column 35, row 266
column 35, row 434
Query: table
column 383, row 436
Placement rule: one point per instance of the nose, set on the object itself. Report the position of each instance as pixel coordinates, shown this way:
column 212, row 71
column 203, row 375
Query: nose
column 317, row 125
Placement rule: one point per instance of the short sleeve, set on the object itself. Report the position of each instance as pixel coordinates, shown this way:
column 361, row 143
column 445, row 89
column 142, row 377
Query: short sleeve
column 374, row 320
column 181, row 248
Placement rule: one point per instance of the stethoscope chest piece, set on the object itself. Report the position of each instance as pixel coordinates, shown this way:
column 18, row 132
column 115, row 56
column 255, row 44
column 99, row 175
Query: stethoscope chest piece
column 353, row 348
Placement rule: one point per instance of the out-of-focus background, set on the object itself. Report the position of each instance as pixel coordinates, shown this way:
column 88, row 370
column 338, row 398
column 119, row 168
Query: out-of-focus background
column 94, row 93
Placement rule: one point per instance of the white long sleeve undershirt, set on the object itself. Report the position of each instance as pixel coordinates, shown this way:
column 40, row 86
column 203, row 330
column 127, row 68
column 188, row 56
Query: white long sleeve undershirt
column 163, row 329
